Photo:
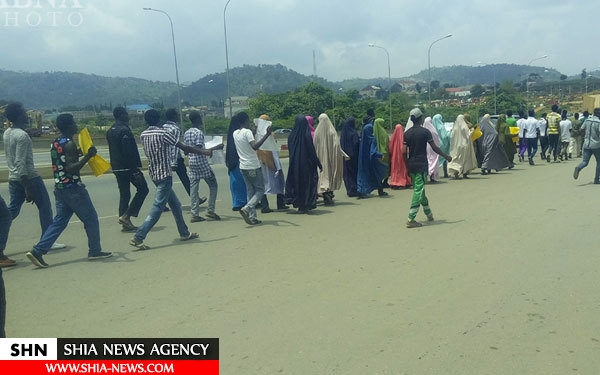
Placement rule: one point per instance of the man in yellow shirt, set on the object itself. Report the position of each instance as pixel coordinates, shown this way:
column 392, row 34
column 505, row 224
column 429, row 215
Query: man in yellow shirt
column 554, row 120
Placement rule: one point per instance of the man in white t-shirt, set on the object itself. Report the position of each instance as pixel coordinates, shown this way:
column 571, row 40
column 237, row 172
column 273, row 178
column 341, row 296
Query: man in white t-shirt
column 522, row 143
column 532, row 125
column 565, row 135
column 544, row 143
column 246, row 148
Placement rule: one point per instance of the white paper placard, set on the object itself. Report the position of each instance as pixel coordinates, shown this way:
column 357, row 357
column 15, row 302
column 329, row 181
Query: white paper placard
column 218, row 155
column 261, row 129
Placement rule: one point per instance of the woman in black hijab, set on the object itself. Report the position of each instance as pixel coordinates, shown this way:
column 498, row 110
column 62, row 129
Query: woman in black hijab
column 302, row 177
column 232, row 160
column 350, row 142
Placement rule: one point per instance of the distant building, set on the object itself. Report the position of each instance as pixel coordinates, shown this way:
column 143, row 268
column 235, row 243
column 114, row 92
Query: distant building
column 238, row 104
column 138, row 109
column 408, row 85
column 396, row 87
column 458, row 92
column 453, row 90
column 80, row 115
column 369, row 91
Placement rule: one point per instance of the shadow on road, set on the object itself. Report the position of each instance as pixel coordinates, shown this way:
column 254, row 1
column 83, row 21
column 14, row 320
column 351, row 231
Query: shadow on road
column 442, row 222
column 278, row 223
column 336, row 203
column 588, row 184
column 176, row 243
column 315, row 212
column 117, row 257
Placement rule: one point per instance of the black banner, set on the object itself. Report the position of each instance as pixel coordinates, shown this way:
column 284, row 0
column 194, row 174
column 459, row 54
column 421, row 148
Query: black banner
column 138, row 349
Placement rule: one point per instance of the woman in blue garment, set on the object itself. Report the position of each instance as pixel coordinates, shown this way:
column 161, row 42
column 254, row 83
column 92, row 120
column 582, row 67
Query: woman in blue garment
column 232, row 160
column 350, row 143
column 371, row 171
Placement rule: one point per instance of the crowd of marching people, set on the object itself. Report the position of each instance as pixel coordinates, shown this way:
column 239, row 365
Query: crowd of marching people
column 364, row 159
column 319, row 162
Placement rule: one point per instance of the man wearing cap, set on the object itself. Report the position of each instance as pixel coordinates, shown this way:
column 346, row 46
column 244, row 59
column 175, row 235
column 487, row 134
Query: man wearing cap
column 414, row 150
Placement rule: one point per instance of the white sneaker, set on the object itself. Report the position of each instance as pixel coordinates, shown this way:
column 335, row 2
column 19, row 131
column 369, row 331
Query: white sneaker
column 58, row 246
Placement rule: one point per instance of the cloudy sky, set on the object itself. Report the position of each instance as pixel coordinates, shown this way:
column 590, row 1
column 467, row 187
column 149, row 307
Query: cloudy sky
column 118, row 38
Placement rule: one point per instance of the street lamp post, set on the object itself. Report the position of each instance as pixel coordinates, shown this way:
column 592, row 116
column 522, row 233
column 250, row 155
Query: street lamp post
column 175, row 55
column 586, row 78
column 429, row 64
column 389, row 79
column 227, row 59
column 495, row 96
column 529, row 64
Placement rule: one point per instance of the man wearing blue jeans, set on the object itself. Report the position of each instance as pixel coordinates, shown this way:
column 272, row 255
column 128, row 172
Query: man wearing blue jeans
column 70, row 194
column 591, row 144
column 246, row 148
column 2, row 306
column 532, row 126
column 24, row 182
column 5, row 222
column 157, row 143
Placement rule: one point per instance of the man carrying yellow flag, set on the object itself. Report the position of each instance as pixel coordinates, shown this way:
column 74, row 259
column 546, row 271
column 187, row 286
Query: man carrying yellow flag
column 70, row 194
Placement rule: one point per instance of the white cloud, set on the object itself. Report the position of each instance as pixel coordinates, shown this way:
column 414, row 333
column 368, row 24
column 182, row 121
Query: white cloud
column 118, row 38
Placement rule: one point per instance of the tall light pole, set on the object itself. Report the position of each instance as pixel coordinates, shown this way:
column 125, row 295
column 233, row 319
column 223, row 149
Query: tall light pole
column 174, row 55
column 529, row 64
column 429, row 63
column 495, row 97
column 389, row 80
column 227, row 59
column 587, row 76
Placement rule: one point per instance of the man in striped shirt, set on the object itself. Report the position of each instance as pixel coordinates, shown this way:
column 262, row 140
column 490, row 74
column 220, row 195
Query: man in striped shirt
column 554, row 133
column 177, row 162
column 157, row 143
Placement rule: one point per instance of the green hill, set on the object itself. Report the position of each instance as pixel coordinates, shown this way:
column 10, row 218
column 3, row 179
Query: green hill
column 247, row 80
column 462, row 75
column 50, row 90
column 59, row 89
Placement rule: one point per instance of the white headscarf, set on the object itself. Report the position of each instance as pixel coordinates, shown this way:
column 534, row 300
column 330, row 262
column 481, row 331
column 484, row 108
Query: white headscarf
column 331, row 155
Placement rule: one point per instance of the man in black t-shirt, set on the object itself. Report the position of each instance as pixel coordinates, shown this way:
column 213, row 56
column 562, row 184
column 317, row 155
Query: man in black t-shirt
column 414, row 150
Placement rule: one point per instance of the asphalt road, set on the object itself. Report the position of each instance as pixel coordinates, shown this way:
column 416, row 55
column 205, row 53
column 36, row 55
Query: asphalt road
column 504, row 282
column 42, row 158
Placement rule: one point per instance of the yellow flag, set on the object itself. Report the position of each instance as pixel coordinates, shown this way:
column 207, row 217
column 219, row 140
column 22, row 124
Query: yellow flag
column 476, row 134
column 97, row 163
column 514, row 130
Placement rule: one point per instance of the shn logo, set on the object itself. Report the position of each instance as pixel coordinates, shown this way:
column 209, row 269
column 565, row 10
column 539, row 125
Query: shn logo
column 29, row 350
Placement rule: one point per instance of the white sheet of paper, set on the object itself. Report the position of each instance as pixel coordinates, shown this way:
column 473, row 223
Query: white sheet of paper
column 261, row 129
column 218, row 155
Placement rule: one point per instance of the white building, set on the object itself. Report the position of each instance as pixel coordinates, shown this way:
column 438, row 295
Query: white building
column 238, row 104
